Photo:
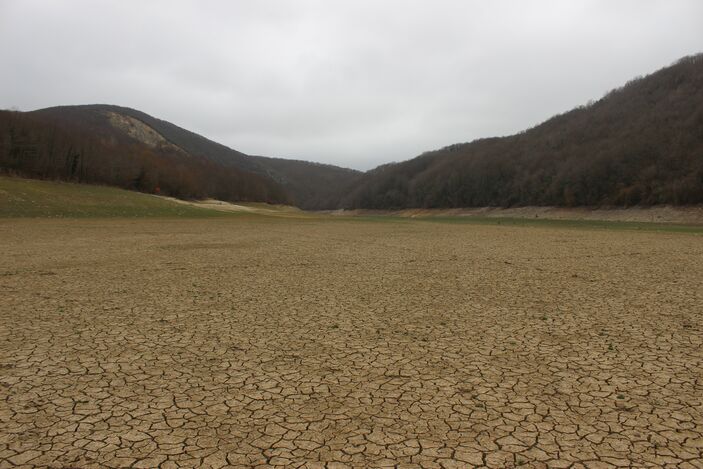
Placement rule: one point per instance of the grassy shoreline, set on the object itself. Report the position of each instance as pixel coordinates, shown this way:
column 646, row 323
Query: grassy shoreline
column 35, row 199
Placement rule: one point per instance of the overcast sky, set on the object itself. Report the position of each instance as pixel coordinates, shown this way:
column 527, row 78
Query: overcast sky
column 350, row 82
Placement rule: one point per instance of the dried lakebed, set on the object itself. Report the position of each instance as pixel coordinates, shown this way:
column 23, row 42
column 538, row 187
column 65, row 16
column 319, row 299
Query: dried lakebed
column 255, row 342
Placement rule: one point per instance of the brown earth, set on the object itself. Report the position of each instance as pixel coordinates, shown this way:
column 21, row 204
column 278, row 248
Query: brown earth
column 269, row 342
column 259, row 208
column 692, row 214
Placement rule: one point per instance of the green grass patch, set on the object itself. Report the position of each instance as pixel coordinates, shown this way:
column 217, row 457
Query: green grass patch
column 29, row 198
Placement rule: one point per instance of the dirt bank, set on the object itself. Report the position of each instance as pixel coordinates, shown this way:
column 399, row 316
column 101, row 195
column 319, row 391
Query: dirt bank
column 655, row 214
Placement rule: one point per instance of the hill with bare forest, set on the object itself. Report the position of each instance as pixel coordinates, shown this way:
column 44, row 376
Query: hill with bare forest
column 123, row 147
column 641, row 144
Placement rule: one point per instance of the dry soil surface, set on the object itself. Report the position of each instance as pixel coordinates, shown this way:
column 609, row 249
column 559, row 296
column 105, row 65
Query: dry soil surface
column 692, row 214
column 255, row 342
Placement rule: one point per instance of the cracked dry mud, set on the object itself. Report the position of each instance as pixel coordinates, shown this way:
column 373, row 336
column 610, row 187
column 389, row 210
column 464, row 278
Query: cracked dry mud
column 283, row 343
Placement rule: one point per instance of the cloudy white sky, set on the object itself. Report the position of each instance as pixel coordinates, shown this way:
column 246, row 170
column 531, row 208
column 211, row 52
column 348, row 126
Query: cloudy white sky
column 349, row 82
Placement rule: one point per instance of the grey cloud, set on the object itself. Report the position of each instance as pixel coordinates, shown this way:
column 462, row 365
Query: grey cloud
column 356, row 83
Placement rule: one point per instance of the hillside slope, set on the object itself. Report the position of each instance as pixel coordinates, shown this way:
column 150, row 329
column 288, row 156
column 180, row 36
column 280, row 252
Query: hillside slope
column 30, row 198
column 190, row 142
column 640, row 144
column 101, row 146
column 306, row 184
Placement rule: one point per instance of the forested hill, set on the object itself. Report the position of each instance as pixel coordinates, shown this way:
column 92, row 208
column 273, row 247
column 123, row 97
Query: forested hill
column 307, row 184
column 640, row 144
column 124, row 147
column 80, row 144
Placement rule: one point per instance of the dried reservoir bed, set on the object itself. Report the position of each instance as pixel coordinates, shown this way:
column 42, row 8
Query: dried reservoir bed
column 252, row 341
